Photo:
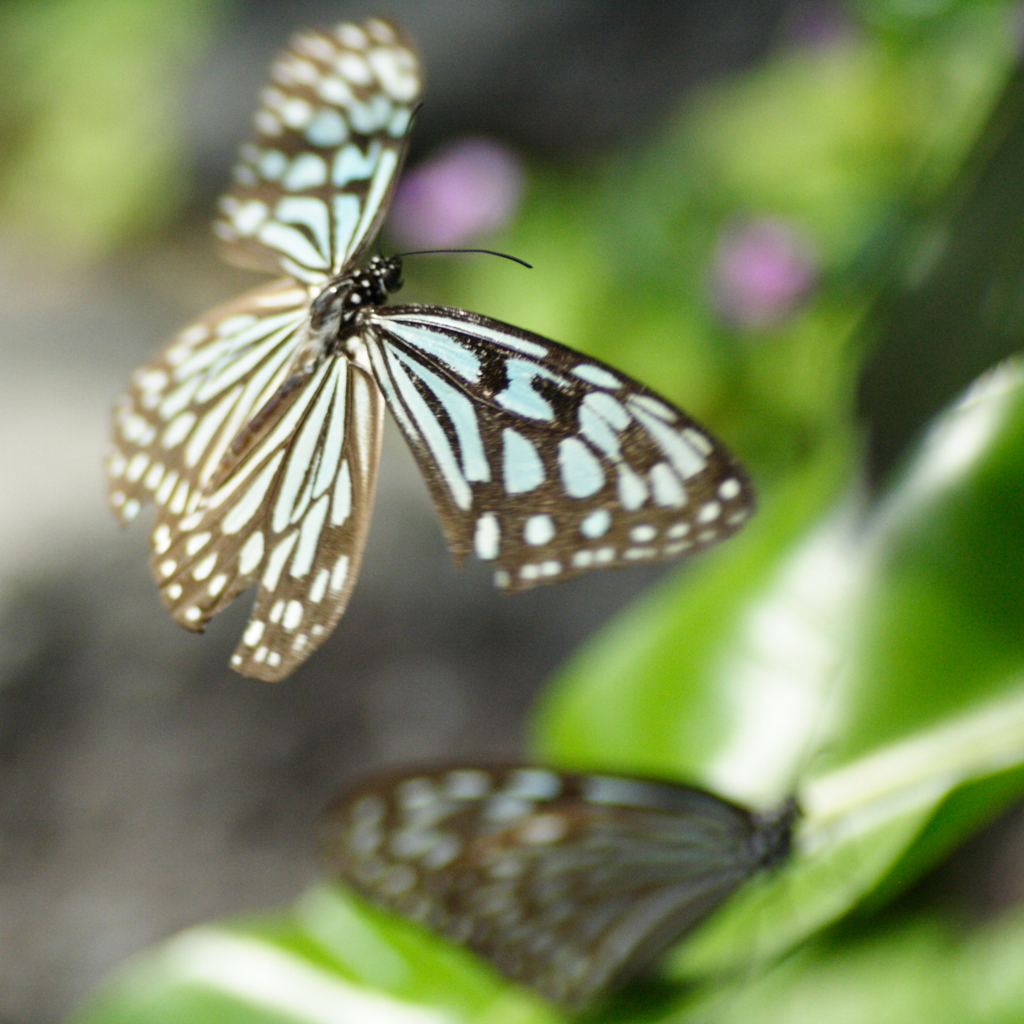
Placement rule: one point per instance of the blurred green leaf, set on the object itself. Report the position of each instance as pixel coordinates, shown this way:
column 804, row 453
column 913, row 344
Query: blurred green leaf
column 91, row 150
column 335, row 960
column 922, row 970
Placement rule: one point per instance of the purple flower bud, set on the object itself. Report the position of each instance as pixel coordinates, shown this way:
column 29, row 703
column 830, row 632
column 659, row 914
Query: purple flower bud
column 467, row 189
column 762, row 269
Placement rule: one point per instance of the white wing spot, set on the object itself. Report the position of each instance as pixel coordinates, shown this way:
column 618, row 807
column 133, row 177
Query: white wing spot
column 667, row 488
column 261, row 654
column 709, row 512
column 698, row 440
column 253, row 633
column 277, row 559
column 190, row 522
column 174, row 591
column 632, row 490
column 273, row 659
column 167, row 567
column 319, row 588
column 216, row 585
column 642, row 534
column 487, row 539
column 340, row 573
column 352, row 36
column 328, row 128
column 154, row 476
column 130, row 510
column 205, row 567
column 354, row 68
column 658, row 408
column 538, row 529
column 292, row 615
column 596, row 375
column 164, row 490
column 161, row 538
column 602, row 556
column 583, row 559
column 197, row 542
column 502, row 579
column 296, row 113
column 178, row 429
column 137, row 467
column 193, row 613
column 678, row 546
column 276, row 612
column 307, row 171
column 729, row 489
column 633, row 554
column 521, row 463
column 251, row 554
column 334, row 90
column 117, row 499
column 582, row 474
column 678, row 530
column 596, row 524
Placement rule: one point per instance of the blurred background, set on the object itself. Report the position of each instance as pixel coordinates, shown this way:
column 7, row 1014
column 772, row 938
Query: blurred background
column 714, row 194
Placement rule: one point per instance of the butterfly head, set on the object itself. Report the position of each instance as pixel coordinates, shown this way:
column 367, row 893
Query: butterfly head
column 773, row 839
column 345, row 296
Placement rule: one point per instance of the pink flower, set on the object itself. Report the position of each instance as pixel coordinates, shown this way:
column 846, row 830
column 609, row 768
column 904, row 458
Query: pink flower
column 761, row 271
column 467, row 189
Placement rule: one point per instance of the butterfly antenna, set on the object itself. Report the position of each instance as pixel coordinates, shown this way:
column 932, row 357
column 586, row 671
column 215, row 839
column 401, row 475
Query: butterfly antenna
column 489, row 252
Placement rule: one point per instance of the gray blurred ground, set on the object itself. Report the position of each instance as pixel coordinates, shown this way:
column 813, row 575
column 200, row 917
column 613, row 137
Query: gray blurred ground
column 143, row 786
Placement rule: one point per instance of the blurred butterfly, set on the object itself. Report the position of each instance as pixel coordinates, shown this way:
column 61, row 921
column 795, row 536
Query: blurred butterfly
column 257, row 431
column 570, row 883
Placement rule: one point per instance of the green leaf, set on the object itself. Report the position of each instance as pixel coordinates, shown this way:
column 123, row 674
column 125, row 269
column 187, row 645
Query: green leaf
column 887, row 647
column 335, row 960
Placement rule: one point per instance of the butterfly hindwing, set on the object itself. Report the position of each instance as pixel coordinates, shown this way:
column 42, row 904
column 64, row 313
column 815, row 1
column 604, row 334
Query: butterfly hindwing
column 312, row 187
column 183, row 408
column 292, row 515
column 543, row 460
column 570, row 883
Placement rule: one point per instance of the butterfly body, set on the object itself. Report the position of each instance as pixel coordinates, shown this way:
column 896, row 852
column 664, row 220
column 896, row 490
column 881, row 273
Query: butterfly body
column 257, row 431
column 568, row 882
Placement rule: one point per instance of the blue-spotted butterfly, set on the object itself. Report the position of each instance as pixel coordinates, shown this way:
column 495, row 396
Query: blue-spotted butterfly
column 570, row 883
column 257, row 431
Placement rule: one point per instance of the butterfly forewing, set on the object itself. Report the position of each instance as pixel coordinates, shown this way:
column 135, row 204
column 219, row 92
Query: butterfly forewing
column 543, row 460
column 569, row 883
column 312, row 187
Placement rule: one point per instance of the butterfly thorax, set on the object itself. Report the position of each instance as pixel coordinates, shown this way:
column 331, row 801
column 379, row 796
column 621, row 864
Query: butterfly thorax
column 334, row 313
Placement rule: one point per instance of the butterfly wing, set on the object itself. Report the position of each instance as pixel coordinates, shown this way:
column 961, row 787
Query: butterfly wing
column 292, row 510
column 183, row 408
column 568, row 883
column 312, row 187
column 543, row 460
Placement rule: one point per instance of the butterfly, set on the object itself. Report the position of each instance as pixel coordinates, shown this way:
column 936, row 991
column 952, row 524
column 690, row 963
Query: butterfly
column 570, row 883
column 257, row 431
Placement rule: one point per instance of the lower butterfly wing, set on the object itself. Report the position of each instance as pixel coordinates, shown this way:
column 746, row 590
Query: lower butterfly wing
column 568, row 883
column 542, row 460
column 292, row 515
column 183, row 409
